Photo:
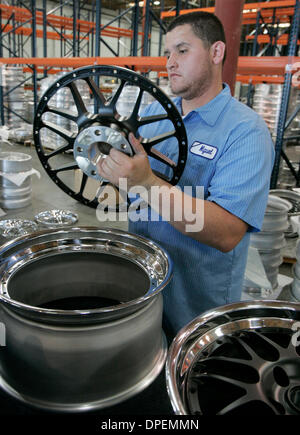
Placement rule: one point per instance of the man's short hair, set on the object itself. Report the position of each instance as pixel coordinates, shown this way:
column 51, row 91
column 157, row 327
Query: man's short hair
column 205, row 25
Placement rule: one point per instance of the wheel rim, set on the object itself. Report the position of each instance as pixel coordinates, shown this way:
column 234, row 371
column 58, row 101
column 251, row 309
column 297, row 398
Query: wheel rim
column 245, row 352
column 104, row 120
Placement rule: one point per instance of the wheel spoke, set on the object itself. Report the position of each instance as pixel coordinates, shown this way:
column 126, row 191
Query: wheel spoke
column 151, row 119
column 149, row 143
column 59, row 150
column 77, row 99
column 69, row 167
column 98, row 96
column 244, row 400
column 222, row 378
column 63, row 113
column 256, row 360
column 162, row 176
column 157, row 155
column 83, row 183
column 60, row 131
column 115, row 97
column 137, row 105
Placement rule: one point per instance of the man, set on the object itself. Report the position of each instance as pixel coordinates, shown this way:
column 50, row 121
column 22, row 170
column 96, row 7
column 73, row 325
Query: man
column 209, row 264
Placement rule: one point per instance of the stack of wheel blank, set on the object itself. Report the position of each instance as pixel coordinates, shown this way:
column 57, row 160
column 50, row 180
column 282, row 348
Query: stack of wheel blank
column 13, row 194
column 270, row 240
column 295, row 288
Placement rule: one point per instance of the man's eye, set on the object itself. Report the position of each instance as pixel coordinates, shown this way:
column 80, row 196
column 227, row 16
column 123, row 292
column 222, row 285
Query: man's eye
column 182, row 51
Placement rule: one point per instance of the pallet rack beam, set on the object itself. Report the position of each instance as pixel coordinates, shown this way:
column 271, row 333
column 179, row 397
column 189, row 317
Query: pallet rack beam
column 22, row 15
column 248, row 9
column 248, row 66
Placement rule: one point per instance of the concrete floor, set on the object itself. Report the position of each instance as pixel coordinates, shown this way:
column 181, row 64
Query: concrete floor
column 46, row 196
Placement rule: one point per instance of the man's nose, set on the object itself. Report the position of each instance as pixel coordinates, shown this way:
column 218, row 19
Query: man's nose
column 172, row 61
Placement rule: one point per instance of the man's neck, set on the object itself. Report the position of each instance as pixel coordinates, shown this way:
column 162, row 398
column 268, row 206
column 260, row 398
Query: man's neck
column 189, row 105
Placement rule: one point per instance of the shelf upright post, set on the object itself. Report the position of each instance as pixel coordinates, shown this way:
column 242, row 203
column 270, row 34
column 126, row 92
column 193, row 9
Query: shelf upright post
column 13, row 33
column 45, row 33
column 161, row 32
column 135, row 23
column 33, row 53
column 178, row 7
column 97, row 45
column 292, row 45
column 98, row 28
column 146, row 28
column 75, row 40
column 1, row 76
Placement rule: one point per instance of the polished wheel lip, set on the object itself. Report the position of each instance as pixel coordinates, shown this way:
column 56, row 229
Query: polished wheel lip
column 179, row 347
column 102, row 403
column 76, row 315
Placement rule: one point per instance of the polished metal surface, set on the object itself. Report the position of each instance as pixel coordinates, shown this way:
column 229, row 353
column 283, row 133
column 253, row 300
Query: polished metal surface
column 14, row 162
column 86, row 306
column 53, row 264
column 94, row 143
column 291, row 196
column 80, row 368
column 14, row 195
column 56, row 218
column 267, row 241
column 234, row 357
column 12, row 228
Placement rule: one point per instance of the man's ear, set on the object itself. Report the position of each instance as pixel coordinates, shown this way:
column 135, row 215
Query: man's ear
column 217, row 52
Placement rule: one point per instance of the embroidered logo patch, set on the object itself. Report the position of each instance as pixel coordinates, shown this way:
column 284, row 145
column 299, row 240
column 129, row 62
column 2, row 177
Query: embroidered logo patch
column 203, row 150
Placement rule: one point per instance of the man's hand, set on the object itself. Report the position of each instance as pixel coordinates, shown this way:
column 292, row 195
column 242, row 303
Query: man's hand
column 136, row 169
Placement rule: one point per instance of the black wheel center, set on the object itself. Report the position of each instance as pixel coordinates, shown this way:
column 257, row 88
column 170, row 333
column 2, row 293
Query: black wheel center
column 294, row 397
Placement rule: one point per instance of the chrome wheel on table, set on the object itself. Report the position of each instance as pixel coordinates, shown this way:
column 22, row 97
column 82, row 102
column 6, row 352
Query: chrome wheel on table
column 240, row 359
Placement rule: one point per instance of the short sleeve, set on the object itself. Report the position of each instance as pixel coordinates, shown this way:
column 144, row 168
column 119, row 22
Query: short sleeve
column 242, row 174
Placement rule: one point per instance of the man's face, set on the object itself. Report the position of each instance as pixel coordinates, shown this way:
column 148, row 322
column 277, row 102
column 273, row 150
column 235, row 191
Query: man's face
column 189, row 63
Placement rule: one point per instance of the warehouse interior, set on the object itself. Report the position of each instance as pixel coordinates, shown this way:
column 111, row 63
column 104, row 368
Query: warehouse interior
column 45, row 190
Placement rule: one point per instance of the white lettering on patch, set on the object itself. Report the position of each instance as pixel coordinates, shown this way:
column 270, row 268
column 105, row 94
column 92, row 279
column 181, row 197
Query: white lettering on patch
column 204, row 150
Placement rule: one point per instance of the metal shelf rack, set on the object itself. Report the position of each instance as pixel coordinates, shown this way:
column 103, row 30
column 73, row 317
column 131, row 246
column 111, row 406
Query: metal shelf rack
column 82, row 37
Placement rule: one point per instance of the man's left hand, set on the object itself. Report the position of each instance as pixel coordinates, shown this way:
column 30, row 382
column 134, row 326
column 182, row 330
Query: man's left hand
column 136, row 169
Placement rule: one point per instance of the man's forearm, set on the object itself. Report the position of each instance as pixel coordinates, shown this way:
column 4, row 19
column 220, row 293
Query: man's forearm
column 202, row 220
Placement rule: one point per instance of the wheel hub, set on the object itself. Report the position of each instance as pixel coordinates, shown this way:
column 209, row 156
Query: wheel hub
column 94, row 143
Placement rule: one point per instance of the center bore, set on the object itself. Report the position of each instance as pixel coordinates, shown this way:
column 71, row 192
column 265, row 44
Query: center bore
column 98, row 150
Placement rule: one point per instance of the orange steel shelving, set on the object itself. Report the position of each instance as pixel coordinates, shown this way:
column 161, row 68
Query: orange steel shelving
column 27, row 31
column 250, row 69
column 249, row 9
column 23, row 15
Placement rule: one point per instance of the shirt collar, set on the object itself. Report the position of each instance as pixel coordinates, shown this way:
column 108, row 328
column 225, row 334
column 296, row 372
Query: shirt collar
column 211, row 110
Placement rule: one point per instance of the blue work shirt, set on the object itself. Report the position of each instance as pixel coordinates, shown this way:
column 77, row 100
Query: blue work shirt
column 230, row 154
